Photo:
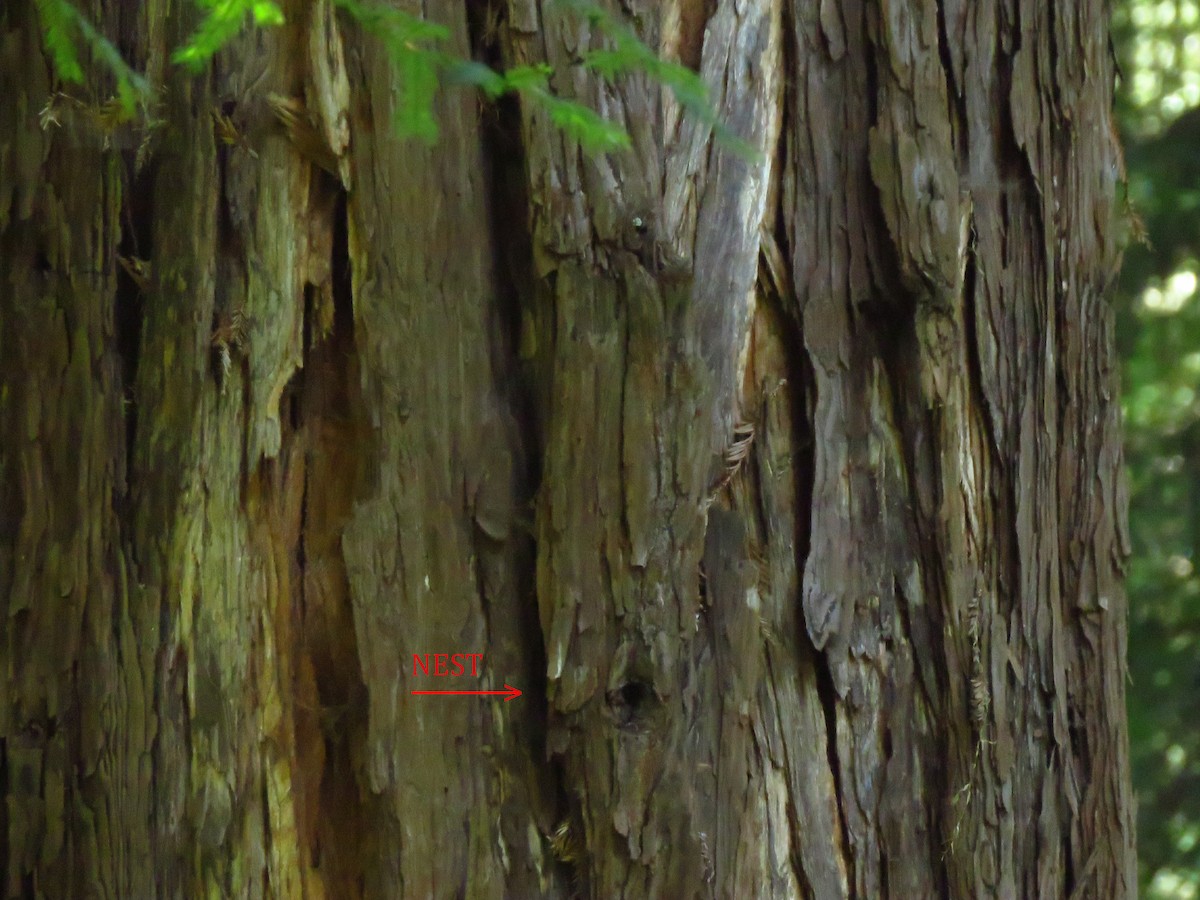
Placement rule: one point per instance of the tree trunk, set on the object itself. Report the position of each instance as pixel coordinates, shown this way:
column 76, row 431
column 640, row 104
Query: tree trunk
column 787, row 488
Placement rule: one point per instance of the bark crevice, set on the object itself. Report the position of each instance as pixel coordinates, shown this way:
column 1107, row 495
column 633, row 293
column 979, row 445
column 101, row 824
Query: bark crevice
column 135, row 246
column 830, row 702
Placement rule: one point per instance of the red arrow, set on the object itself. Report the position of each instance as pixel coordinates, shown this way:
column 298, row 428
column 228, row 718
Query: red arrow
column 509, row 693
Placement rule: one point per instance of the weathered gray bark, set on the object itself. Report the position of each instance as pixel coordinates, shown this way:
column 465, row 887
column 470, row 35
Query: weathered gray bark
column 787, row 489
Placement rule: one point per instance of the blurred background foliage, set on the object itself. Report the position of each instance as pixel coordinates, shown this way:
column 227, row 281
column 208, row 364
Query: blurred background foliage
column 1157, row 45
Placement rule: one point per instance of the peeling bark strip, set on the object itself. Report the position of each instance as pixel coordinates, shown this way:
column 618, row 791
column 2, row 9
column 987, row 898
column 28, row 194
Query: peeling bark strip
column 786, row 489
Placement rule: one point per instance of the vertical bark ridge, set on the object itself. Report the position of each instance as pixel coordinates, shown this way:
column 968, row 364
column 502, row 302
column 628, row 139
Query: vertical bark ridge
column 432, row 553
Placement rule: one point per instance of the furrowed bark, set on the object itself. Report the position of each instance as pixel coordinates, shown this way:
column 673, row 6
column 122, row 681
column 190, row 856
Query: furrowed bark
column 786, row 486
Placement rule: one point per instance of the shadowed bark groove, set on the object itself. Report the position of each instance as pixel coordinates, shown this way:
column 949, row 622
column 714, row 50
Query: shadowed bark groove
column 786, row 488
